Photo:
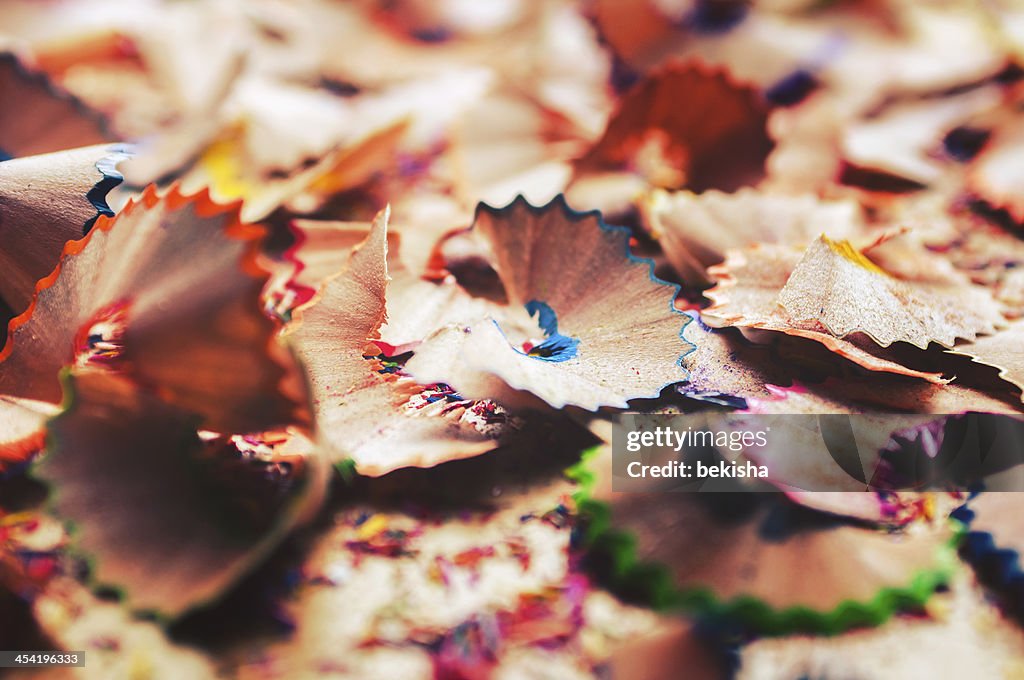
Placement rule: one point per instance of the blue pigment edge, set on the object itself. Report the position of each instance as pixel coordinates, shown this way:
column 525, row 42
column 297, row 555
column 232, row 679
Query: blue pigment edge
column 549, row 360
column 547, row 319
column 580, row 215
column 107, row 166
column 998, row 568
column 110, row 177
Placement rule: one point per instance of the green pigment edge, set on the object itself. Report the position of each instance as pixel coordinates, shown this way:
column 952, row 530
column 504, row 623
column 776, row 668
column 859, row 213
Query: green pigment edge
column 652, row 583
